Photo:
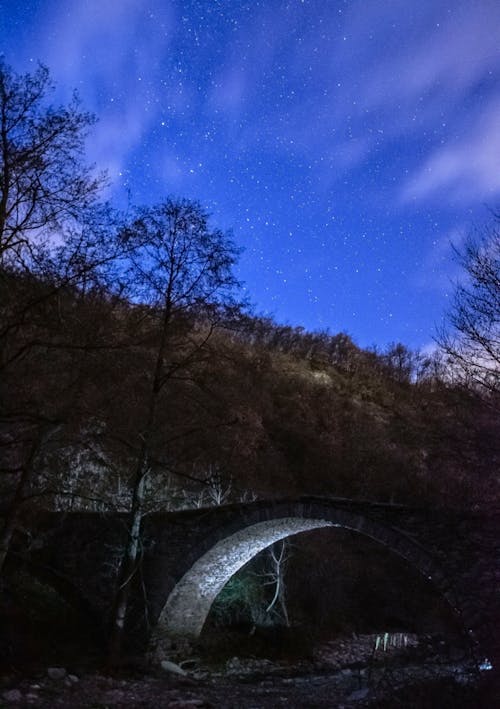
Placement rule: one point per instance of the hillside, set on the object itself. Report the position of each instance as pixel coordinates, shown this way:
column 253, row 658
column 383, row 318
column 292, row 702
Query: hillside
column 250, row 408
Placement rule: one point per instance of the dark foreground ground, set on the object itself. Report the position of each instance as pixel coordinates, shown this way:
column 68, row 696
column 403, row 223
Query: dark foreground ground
column 98, row 692
column 343, row 673
column 49, row 658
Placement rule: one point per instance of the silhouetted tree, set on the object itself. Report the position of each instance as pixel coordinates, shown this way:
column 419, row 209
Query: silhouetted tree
column 472, row 339
column 46, row 251
column 182, row 270
column 43, row 179
column 55, row 379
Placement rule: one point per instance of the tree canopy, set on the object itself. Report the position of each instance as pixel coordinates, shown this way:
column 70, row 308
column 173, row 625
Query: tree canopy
column 472, row 339
column 43, row 177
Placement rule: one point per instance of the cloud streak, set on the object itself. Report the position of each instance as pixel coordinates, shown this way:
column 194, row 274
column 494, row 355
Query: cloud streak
column 351, row 83
column 464, row 170
column 108, row 50
column 361, row 81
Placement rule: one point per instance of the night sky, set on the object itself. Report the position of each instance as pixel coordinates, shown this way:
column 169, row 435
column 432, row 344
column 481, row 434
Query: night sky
column 347, row 144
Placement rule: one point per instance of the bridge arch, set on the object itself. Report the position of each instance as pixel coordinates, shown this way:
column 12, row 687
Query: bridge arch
column 234, row 544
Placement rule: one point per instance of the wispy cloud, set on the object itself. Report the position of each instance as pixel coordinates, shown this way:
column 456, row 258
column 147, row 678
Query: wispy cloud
column 420, row 87
column 347, row 84
column 359, row 80
column 107, row 50
column 441, row 57
column 464, row 170
column 252, row 57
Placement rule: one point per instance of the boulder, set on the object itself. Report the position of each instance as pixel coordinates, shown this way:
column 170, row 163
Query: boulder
column 173, row 668
column 56, row 672
column 12, row 695
column 358, row 694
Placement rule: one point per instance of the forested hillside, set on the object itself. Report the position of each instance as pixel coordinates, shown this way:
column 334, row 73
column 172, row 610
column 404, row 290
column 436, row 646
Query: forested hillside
column 250, row 408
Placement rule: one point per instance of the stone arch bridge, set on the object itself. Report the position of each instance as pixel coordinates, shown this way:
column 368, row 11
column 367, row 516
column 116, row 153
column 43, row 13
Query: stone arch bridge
column 188, row 556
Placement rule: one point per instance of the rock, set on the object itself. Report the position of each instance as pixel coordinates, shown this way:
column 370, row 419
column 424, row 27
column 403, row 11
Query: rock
column 359, row 694
column 200, row 675
column 187, row 704
column 31, row 697
column 12, row 695
column 114, row 696
column 56, row 672
column 73, row 679
column 172, row 668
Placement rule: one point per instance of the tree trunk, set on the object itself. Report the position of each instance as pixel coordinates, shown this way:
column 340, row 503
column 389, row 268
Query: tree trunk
column 130, row 564
column 128, row 571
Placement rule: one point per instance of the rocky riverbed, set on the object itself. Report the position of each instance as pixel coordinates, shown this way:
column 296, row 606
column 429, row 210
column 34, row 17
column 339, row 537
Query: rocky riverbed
column 349, row 672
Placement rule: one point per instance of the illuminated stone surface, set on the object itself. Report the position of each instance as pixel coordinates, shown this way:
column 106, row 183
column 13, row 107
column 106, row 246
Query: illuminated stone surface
column 190, row 601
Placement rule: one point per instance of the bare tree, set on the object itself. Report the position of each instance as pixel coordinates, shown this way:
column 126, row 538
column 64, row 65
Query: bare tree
column 57, row 328
column 472, row 339
column 278, row 556
column 54, row 240
column 43, row 180
column 257, row 593
column 182, row 270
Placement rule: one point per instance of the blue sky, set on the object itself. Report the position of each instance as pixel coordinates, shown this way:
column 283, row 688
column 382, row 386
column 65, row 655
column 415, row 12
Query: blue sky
column 347, row 144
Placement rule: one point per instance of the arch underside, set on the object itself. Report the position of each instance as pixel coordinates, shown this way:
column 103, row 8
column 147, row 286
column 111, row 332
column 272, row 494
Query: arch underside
column 189, row 603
